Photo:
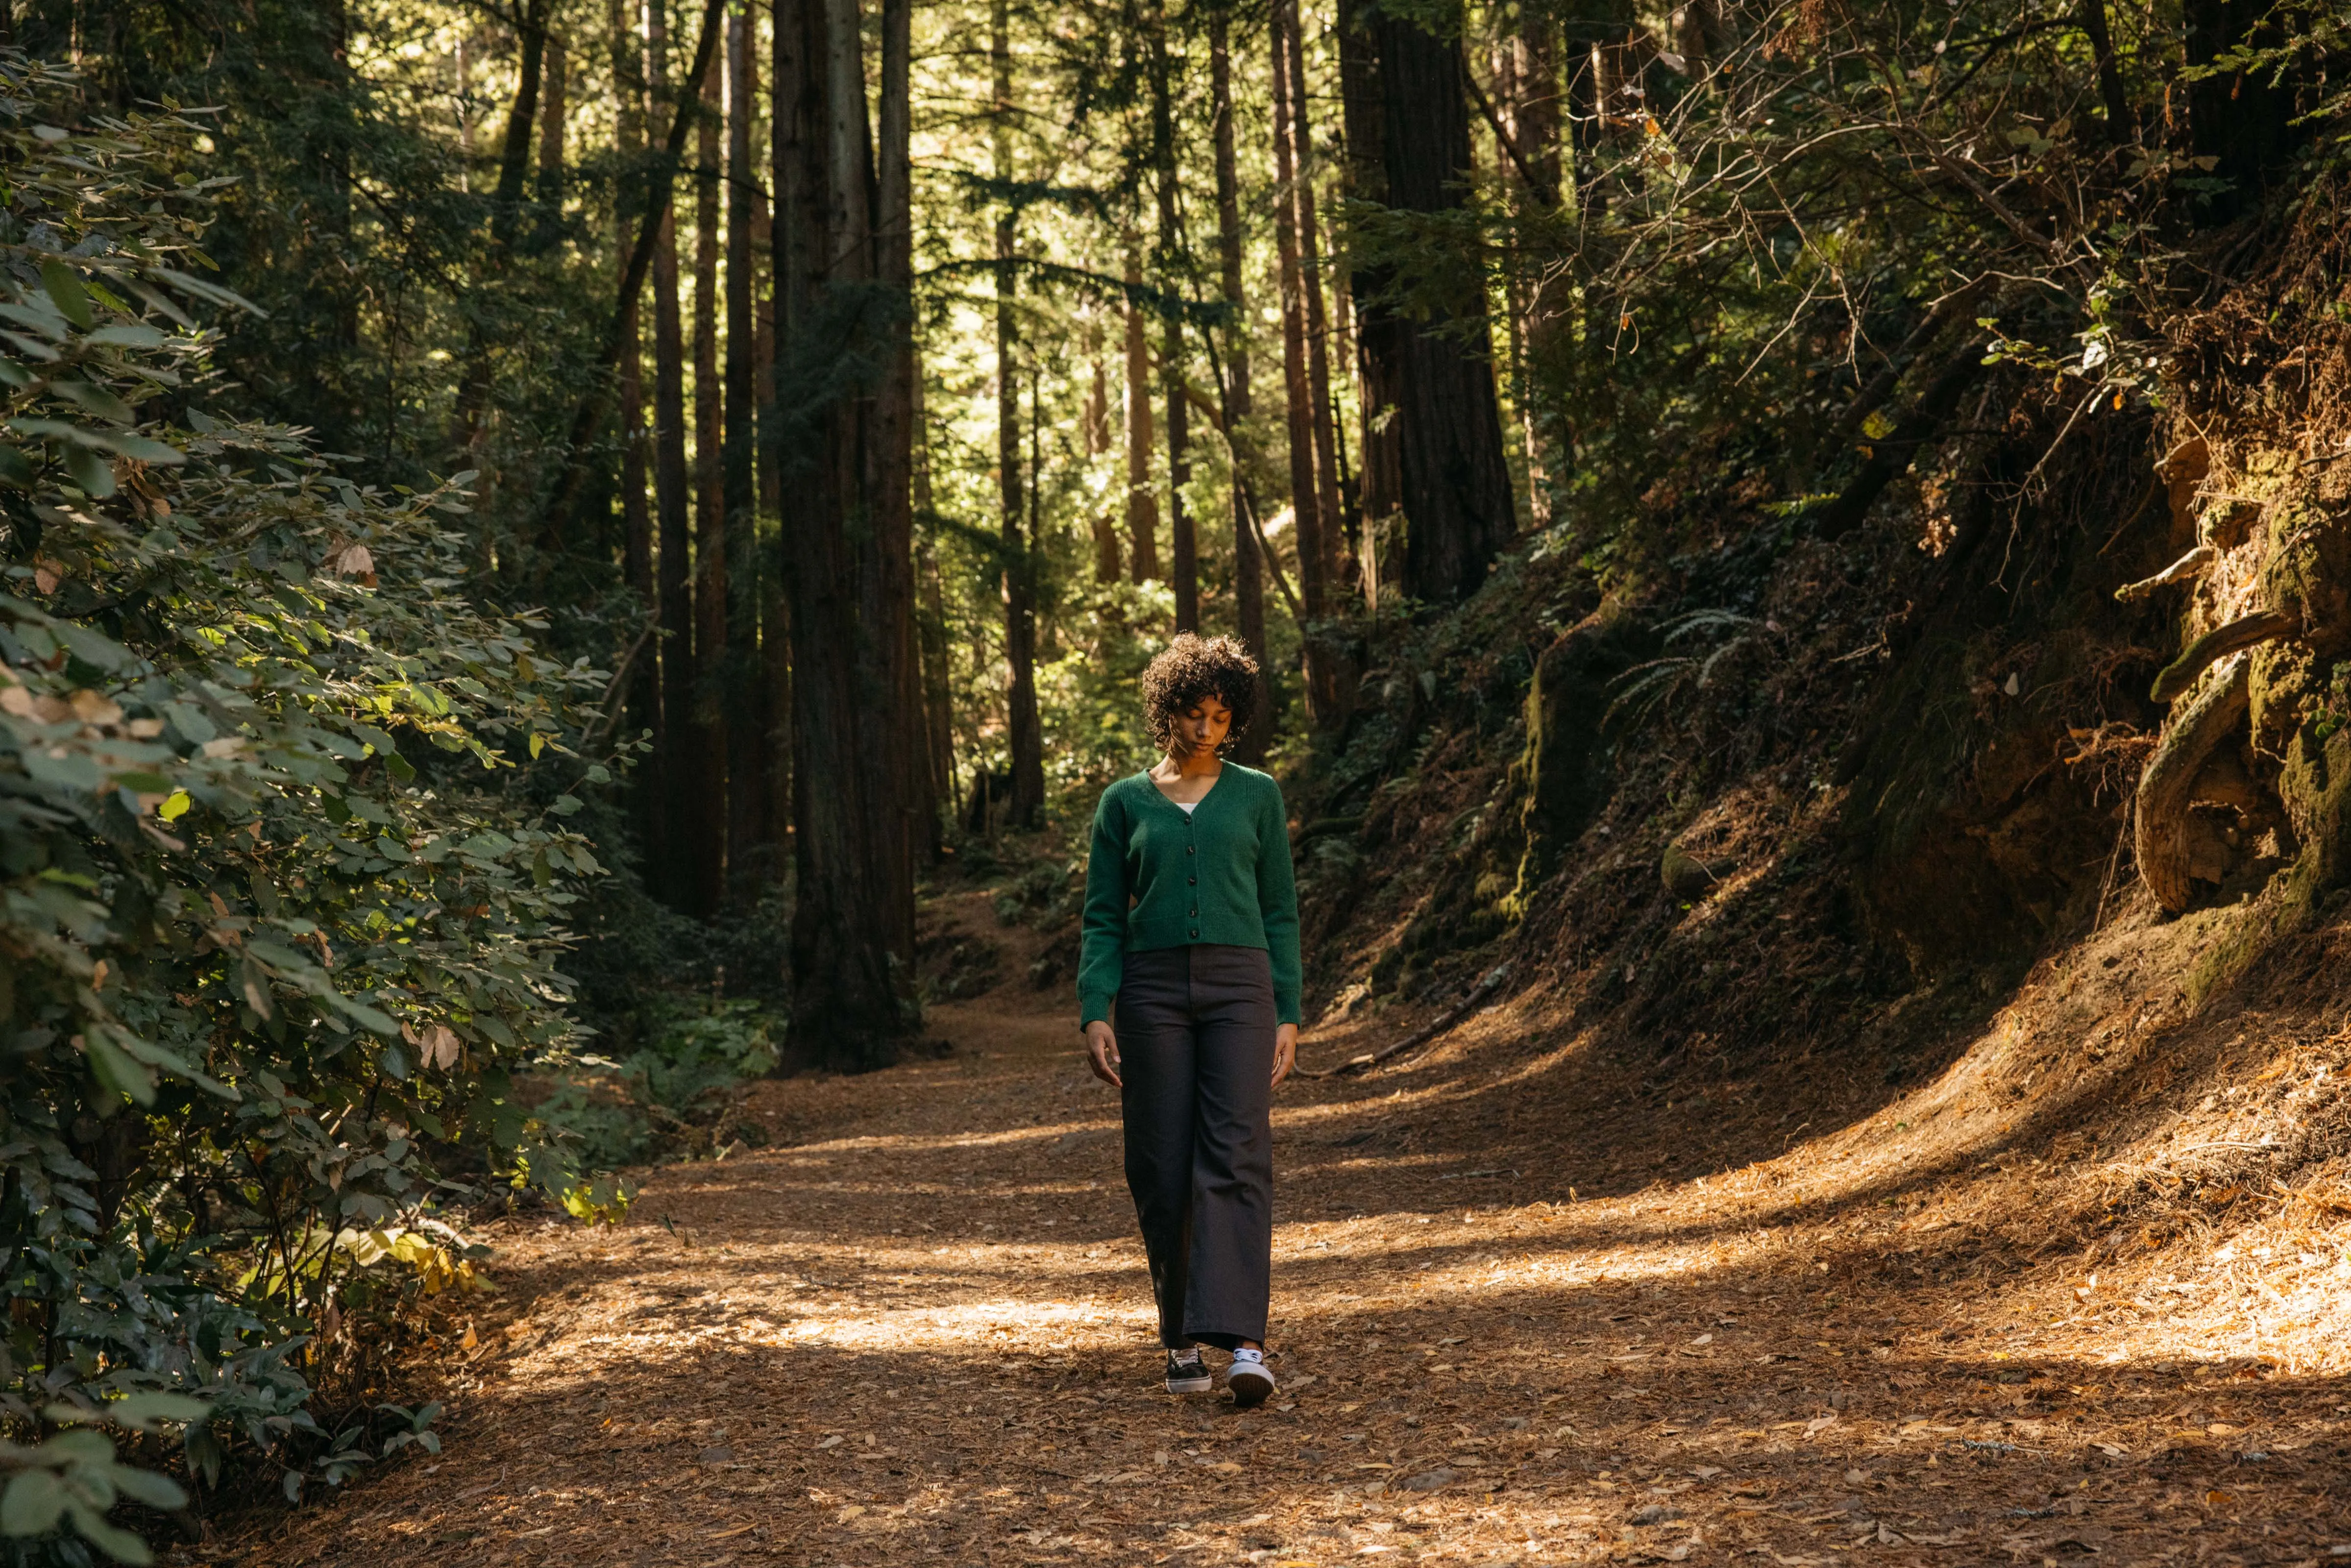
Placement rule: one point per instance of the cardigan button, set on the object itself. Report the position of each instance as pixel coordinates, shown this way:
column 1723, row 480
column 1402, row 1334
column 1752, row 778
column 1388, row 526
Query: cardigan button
column 1195, row 931
column 1189, row 850
column 1193, row 880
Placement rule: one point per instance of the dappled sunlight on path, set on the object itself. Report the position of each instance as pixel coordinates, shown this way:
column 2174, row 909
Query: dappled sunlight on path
column 921, row 1332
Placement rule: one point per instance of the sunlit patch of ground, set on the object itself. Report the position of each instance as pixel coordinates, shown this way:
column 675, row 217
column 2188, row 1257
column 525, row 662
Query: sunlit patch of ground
column 2046, row 1305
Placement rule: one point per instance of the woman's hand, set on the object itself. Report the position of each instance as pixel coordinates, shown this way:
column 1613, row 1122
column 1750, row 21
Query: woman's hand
column 1101, row 1053
column 1285, row 1050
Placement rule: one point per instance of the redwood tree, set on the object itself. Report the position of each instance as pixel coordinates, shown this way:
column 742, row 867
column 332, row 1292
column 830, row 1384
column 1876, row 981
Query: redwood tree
column 1436, row 371
column 842, row 353
column 1248, row 568
column 673, row 508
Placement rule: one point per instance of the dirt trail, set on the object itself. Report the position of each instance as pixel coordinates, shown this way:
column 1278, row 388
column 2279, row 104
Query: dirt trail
column 919, row 1331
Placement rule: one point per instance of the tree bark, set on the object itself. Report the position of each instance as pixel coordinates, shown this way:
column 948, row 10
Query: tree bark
column 783, row 438
column 1532, row 108
column 570, row 482
column 1184, row 555
column 469, row 428
column 1305, row 502
column 1248, row 571
column 705, row 844
column 514, row 153
column 938, row 675
column 676, row 760
column 1380, row 466
column 894, row 242
column 1455, row 482
column 1097, row 433
column 1329, row 492
column 844, row 328
column 636, row 516
column 2244, row 119
column 1024, row 728
column 1142, row 505
column 2121, row 126
column 751, row 852
column 550, row 130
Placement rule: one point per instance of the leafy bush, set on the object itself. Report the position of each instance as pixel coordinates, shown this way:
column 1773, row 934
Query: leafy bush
column 671, row 1095
column 283, row 858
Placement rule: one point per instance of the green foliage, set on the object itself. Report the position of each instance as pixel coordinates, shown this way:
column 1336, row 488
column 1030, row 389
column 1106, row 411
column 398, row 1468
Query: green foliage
column 283, row 852
column 1647, row 685
column 73, row 1479
column 672, row 1094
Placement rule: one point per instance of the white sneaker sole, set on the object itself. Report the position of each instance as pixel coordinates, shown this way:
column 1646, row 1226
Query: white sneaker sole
column 1250, row 1386
column 1200, row 1385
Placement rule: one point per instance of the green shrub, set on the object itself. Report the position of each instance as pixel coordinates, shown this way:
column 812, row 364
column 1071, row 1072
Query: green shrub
column 283, row 860
column 670, row 1094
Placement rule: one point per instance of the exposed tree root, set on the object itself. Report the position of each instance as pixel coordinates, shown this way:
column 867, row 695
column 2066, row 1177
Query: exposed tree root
column 2165, row 789
column 2190, row 565
column 2260, row 626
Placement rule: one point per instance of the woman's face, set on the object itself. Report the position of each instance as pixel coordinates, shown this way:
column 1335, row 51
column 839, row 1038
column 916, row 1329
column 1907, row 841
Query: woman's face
column 1202, row 727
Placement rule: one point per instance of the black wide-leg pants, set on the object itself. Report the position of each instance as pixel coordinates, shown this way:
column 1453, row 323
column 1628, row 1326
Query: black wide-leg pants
column 1195, row 1030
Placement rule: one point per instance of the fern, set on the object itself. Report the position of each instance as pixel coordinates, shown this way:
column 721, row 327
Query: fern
column 1646, row 685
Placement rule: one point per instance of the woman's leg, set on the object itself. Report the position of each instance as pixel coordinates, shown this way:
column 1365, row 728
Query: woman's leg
column 1156, row 1048
column 1232, row 1147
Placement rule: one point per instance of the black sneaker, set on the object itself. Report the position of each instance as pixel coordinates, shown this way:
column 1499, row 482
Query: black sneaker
column 1250, row 1380
column 1187, row 1373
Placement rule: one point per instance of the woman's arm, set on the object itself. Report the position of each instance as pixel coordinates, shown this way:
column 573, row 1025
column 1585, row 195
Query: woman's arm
column 1277, row 903
column 1102, row 948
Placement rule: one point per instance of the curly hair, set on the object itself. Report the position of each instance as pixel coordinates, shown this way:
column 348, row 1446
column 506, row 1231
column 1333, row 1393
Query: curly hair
column 1191, row 668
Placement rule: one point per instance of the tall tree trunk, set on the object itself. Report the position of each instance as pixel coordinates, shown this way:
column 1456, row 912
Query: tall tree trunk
column 938, row 676
column 706, row 807
column 1142, row 506
column 774, row 708
column 551, row 119
column 1306, row 506
column 506, row 214
column 563, row 504
column 751, row 852
column 763, row 309
column 853, row 919
column 1184, row 554
column 1380, row 468
column 1329, row 495
column 2121, row 125
column 1455, row 483
column 1024, row 726
column 1531, row 56
column 1248, row 571
column 677, row 761
column 783, row 436
column 1097, row 433
column 514, row 154
column 902, row 402
column 1316, row 515
column 709, row 498
column 2244, row 119
column 637, row 517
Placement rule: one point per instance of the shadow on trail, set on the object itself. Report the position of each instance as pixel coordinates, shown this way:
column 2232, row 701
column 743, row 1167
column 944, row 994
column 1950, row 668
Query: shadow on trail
column 920, row 1332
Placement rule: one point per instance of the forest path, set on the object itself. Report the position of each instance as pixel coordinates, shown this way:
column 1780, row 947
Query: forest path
column 920, row 1332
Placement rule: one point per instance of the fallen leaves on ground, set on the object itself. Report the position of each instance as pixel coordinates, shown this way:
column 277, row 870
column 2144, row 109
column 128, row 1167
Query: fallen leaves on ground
column 920, row 1330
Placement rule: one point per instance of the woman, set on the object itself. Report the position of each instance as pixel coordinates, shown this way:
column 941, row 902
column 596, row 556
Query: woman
column 1191, row 945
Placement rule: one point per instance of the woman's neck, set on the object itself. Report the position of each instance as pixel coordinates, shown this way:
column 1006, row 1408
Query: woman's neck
column 1203, row 763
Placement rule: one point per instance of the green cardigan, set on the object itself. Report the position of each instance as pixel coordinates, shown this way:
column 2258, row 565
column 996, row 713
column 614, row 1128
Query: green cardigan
column 1156, row 877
